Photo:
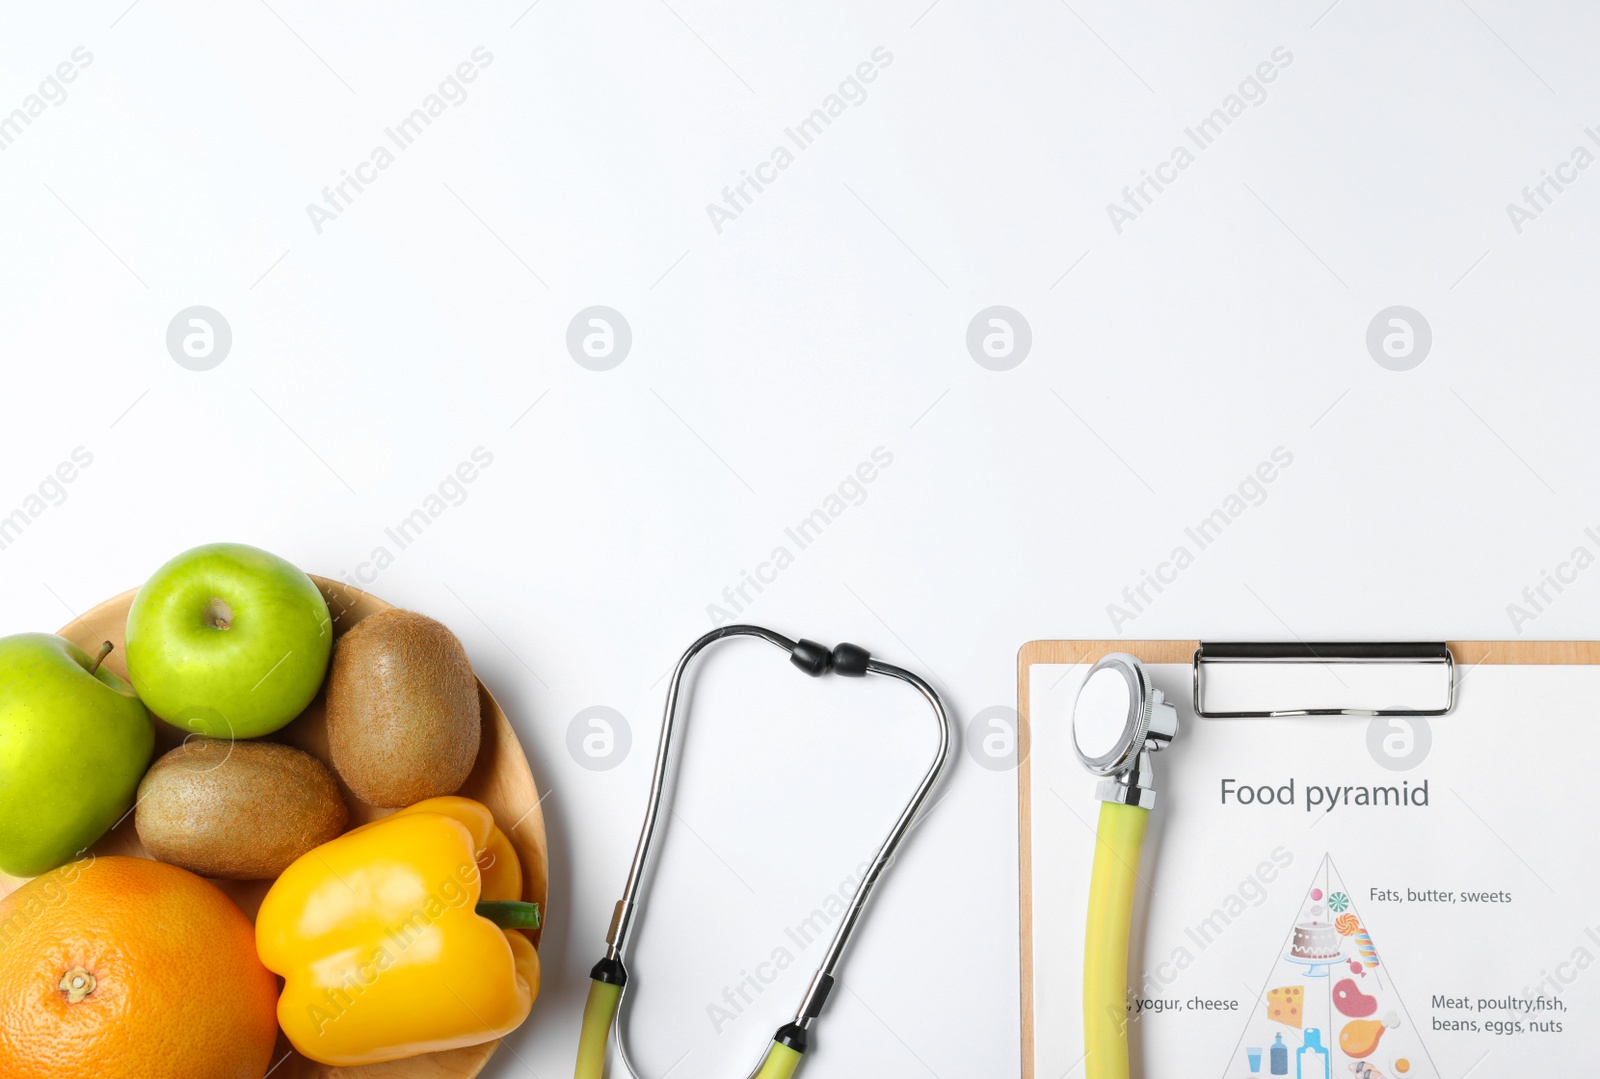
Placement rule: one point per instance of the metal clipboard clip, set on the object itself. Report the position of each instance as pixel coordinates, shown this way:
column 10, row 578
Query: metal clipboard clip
column 1241, row 681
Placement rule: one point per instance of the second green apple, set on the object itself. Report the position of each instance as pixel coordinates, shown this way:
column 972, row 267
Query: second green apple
column 228, row 641
column 74, row 741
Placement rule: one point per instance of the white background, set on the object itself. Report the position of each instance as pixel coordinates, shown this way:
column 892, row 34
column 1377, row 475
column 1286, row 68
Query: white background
column 768, row 360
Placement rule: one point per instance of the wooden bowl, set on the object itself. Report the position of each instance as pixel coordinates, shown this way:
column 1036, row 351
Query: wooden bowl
column 500, row 780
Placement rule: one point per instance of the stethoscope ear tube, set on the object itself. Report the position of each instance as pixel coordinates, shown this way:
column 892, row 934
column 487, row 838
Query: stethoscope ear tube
column 599, row 1012
column 609, row 977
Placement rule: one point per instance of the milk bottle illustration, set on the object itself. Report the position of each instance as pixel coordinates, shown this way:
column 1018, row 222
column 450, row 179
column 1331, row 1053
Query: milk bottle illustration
column 1311, row 1059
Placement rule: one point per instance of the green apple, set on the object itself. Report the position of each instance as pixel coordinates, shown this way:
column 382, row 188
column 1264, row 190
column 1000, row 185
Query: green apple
column 228, row 641
column 74, row 742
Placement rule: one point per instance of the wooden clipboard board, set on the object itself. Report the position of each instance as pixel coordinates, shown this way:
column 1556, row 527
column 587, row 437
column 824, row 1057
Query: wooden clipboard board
column 1467, row 654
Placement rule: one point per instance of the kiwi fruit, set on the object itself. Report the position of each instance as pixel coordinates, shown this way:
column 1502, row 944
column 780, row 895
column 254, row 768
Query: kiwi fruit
column 403, row 715
column 237, row 810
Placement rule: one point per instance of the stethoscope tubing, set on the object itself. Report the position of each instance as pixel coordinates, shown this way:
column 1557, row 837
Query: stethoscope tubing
column 622, row 923
column 1119, row 838
column 781, row 1057
column 1126, row 796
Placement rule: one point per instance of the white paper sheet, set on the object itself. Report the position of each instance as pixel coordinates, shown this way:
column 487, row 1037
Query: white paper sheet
column 1464, row 913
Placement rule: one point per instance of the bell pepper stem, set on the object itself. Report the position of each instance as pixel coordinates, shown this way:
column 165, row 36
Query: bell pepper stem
column 510, row 915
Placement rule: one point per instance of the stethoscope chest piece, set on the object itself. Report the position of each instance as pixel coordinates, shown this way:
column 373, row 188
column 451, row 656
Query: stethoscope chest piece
column 1118, row 721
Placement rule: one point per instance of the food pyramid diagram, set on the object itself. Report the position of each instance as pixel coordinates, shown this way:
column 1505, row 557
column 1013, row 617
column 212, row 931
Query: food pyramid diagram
column 1329, row 1008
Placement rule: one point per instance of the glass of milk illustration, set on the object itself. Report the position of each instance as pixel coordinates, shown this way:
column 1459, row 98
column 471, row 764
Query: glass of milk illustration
column 1311, row 1059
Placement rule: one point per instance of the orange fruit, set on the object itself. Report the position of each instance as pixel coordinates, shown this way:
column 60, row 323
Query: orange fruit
column 124, row 968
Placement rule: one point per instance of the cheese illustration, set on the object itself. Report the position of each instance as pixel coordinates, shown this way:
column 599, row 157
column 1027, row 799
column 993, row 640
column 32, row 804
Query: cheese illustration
column 1286, row 1005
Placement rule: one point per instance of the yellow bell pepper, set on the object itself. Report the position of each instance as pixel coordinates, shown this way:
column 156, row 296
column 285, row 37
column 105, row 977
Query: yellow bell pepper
column 399, row 937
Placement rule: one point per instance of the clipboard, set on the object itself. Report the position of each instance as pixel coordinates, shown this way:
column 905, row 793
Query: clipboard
column 1455, row 659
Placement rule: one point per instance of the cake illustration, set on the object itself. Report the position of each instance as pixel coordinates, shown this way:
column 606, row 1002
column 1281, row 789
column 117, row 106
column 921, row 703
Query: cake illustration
column 1315, row 940
column 1327, row 1008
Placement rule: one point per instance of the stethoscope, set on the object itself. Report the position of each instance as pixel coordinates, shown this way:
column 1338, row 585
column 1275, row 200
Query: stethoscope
column 609, row 977
column 1118, row 722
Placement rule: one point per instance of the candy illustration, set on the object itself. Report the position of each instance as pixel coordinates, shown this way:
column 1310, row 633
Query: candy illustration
column 1338, row 901
column 1316, row 893
column 1364, row 945
column 1351, row 1001
column 1357, row 968
column 1347, row 925
column 1360, row 1037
